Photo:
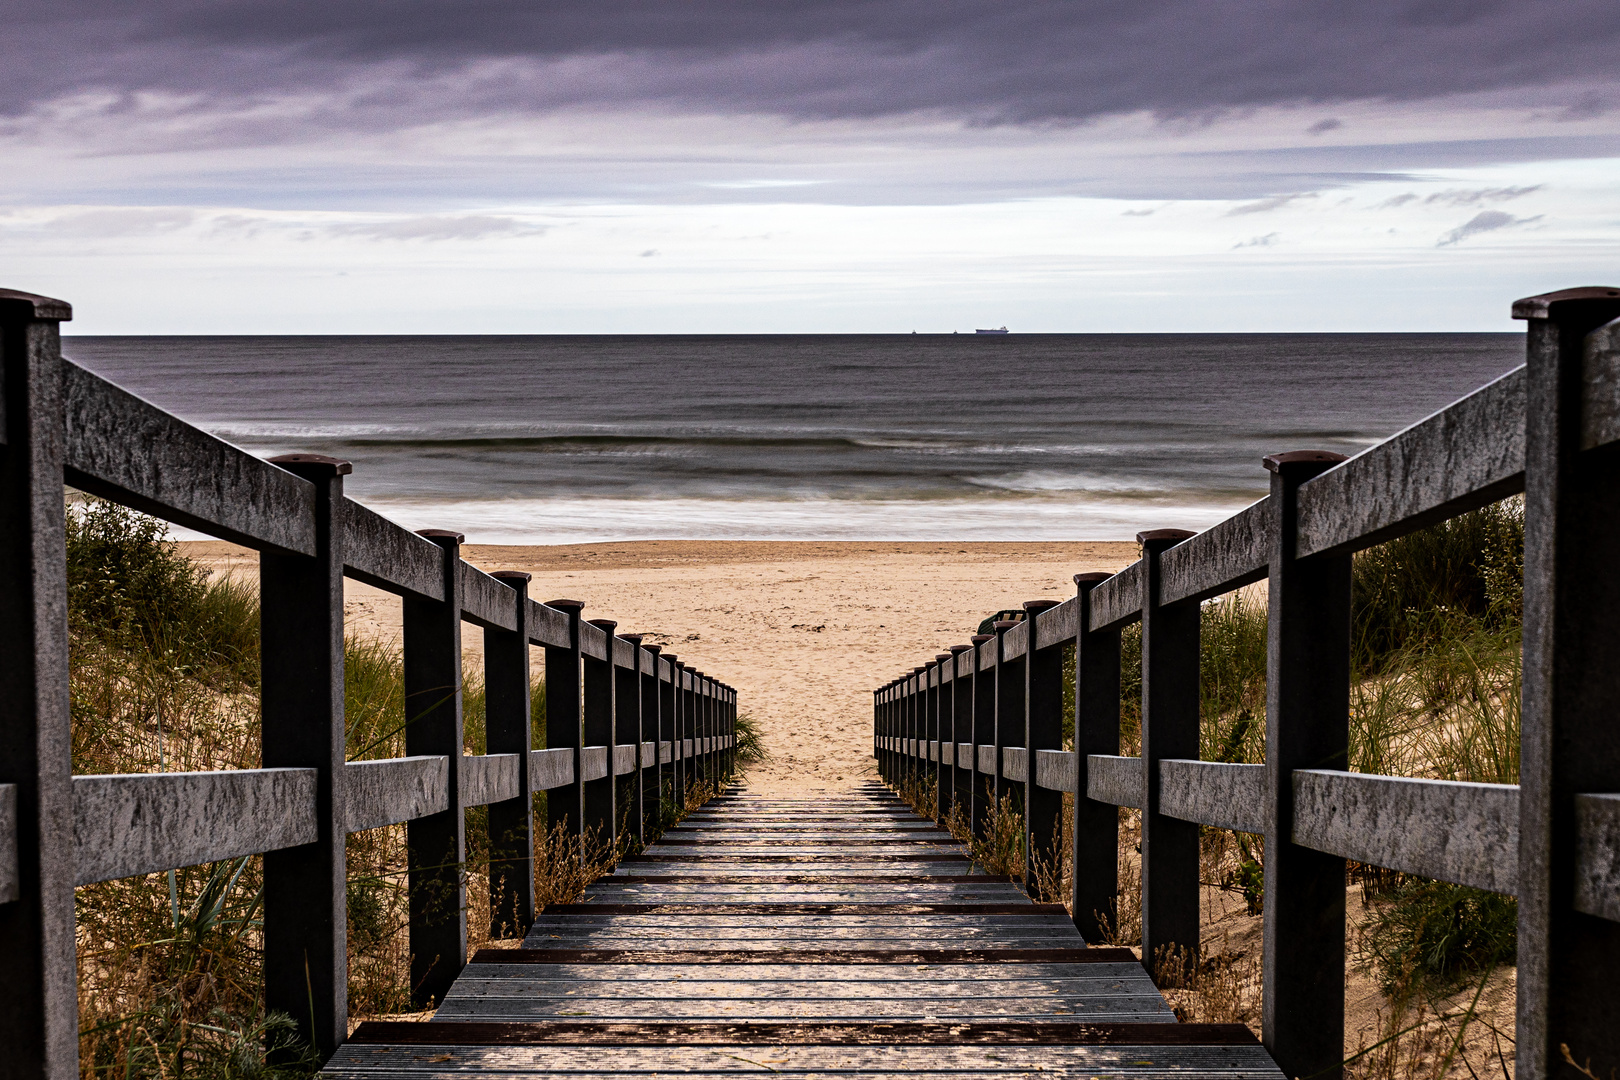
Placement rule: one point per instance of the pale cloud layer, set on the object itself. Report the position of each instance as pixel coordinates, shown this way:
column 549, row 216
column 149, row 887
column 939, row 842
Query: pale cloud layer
column 1057, row 164
column 1362, row 257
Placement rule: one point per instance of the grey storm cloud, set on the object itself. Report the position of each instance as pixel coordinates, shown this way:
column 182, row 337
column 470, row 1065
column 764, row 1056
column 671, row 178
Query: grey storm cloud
column 1018, row 61
column 1483, row 222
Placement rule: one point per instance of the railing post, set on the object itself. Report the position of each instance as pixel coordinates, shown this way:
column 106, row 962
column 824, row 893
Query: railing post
column 652, row 727
column 897, row 721
column 891, row 729
column 626, row 732
column 677, row 722
column 601, row 817
column 700, row 758
column 1169, row 730
column 1043, row 730
column 565, row 700
column 711, row 760
column 437, row 844
column 916, row 723
column 1096, row 731
column 633, row 701
column 1009, row 710
column 1567, row 992
column 1307, row 727
column 877, row 731
column 733, row 715
column 984, row 734
column 39, row 1018
column 961, row 730
column 938, row 732
column 306, row 960
column 508, row 731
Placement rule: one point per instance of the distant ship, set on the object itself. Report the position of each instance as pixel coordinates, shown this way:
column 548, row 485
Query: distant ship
column 1003, row 330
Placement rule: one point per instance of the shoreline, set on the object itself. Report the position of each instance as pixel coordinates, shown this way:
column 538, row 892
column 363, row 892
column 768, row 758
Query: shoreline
column 805, row 630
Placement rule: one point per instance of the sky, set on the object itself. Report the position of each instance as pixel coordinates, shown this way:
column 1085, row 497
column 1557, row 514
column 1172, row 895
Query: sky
column 497, row 166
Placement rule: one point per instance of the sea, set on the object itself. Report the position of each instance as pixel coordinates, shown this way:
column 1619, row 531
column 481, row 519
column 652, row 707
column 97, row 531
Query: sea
column 569, row 439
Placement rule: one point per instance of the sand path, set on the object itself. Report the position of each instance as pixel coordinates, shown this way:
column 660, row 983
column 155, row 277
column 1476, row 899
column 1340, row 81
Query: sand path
column 804, row 631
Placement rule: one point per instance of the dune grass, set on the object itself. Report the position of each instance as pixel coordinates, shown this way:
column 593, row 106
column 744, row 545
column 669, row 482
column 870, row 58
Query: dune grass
column 164, row 669
column 1435, row 658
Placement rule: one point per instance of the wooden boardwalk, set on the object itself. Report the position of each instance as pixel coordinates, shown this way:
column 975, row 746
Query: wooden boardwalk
column 808, row 936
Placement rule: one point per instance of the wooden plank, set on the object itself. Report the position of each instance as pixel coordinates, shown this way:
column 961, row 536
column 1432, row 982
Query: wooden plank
column 1092, row 955
column 551, row 768
column 489, row 778
column 1226, row 796
column 846, row 936
column 386, row 792
column 1464, row 833
column 125, row 825
column 805, row 909
column 132, row 452
column 1123, row 1059
column 486, row 601
column 1117, row 601
column 436, row 1033
column 1221, row 558
column 389, row 556
column 670, row 975
column 1466, row 455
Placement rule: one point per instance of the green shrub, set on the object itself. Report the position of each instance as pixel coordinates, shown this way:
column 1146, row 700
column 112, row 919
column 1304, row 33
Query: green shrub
column 130, row 588
column 1433, row 935
column 1435, row 583
column 750, row 743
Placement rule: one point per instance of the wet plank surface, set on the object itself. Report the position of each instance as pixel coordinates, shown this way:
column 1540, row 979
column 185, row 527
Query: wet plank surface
column 810, row 936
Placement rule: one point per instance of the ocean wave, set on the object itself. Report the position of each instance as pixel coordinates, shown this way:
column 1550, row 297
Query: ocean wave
column 574, row 520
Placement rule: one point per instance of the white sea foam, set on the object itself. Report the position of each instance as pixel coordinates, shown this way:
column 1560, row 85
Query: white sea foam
column 576, row 520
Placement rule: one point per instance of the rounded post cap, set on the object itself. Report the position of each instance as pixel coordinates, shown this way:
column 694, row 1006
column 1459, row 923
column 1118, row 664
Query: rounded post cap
column 671, row 657
column 959, row 649
column 313, row 465
column 604, row 624
column 1034, row 607
column 1293, row 459
column 980, row 639
column 654, row 649
column 573, row 607
column 1091, row 577
column 634, row 639
column 437, row 535
column 919, row 669
column 1540, row 307
column 1003, row 625
column 33, row 306
column 1173, row 536
column 943, row 656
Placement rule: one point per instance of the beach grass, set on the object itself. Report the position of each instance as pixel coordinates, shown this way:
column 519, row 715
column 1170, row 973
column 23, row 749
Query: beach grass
column 164, row 669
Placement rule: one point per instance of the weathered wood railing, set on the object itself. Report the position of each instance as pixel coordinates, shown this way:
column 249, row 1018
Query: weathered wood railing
column 623, row 721
column 1549, row 429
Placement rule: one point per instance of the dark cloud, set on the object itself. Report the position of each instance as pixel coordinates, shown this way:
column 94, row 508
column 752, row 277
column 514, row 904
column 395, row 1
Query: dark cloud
column 440, row 227
column 1022, row 61
column 1483, row 222
column 1275, row 202
column 1479, row 196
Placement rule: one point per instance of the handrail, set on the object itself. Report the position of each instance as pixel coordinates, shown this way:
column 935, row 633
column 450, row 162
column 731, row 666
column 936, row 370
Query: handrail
column 1549, row 429
column 667, row 726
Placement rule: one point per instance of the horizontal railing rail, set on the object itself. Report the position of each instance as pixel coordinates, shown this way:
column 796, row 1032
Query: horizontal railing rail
column 966, row 724
column 627, row 724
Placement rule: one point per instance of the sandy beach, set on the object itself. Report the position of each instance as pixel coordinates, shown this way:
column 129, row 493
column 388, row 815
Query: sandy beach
column 805, row 631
